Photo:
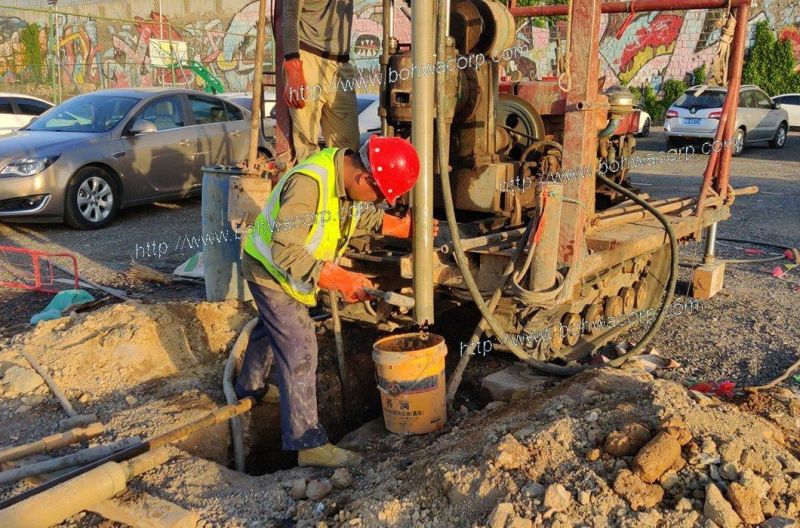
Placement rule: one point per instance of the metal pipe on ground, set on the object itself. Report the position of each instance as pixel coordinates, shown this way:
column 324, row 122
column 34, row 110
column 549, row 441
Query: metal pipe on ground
column 84, row 456
column 53, row 442
column 422, row 52
column 54, row 505
column 219, row 415
column 234, row 360
column 74, row 418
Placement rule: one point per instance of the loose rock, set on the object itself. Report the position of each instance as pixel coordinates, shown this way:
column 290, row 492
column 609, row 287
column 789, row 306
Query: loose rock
column 19, row 380
column 298, row 491
column 341, row 478
column 509, row 453
column 627, row 441
column 719, row 510
column 638, row 494
column 746, row 503
column 557, row 498
column 500, row 514
column 656, row 457
column 318, row 489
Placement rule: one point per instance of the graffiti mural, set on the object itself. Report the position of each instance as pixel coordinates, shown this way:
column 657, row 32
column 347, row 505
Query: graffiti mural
column 95, row 52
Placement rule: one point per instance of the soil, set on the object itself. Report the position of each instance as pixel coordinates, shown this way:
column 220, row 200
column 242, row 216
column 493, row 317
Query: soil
column 542, row 459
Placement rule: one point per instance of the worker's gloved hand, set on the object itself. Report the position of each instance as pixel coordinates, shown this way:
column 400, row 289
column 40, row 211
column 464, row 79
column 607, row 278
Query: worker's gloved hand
column 396, row 226
column 350, row 285
column 295, row 91
column 402, row 226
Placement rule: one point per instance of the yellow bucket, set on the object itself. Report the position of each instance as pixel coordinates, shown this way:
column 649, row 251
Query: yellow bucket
column 410, row 372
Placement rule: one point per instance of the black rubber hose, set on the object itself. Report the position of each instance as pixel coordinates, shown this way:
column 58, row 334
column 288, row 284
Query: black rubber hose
column 673, row 273
column 447, row 194
column 775, row 258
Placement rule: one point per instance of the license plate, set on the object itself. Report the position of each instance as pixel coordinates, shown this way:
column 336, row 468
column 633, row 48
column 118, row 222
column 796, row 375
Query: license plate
column 692, row 121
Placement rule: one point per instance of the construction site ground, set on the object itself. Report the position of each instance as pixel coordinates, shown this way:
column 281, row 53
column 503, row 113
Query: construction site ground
column 562, row 454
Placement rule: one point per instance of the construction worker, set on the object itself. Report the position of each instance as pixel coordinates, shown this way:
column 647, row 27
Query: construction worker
column 286, row 262
column 319, row 77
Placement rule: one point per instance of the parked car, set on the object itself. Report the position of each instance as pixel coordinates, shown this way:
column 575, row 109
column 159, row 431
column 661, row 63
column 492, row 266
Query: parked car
column 695, row 115
column 245, row 100
column 790, row 103
column 644, row 122
column 87, row 158
column 17, row 110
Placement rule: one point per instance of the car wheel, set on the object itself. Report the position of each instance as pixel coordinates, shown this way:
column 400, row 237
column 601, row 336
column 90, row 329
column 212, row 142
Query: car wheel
column 779, row 139
column 738, row 142
column 92, row 199
column 645, row 129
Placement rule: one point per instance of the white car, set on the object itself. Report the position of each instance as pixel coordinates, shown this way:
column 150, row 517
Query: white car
column 644, row 122
column 17, row 110
column 790, row 103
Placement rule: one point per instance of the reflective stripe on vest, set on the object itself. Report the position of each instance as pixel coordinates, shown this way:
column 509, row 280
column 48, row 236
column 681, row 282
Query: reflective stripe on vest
column 324, row 236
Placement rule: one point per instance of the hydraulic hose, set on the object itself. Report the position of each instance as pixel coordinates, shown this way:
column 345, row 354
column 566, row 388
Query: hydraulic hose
column 673, row 272
column 235, row 359
column 795, row 253
column 442, row 142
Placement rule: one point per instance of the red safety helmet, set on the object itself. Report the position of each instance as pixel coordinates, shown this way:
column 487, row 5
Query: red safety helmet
column 393, row 163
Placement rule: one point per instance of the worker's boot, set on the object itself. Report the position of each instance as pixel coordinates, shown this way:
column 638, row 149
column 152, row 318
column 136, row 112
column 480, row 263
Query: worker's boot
column 328, row 455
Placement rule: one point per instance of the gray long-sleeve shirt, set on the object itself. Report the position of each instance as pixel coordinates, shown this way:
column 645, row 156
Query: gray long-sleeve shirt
column 298, row 201
column 318, row 26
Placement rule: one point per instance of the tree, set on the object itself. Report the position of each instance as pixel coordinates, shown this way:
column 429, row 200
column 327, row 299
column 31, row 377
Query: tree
column 770, row 64
column 32, row 56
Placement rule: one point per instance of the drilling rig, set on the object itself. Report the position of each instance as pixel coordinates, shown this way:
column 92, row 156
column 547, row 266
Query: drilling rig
column 541, row 254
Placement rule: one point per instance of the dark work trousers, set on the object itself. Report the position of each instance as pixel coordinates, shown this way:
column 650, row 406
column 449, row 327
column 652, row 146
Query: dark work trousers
column 286, row 332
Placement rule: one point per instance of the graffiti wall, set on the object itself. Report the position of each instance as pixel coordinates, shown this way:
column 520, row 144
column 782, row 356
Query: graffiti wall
column 75, row 53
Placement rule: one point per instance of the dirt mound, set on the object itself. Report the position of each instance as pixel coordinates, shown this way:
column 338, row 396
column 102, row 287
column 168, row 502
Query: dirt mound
column 541, row 460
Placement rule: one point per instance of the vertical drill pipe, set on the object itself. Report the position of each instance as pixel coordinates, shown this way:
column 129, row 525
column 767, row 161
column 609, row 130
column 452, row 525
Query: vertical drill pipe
column 734, row 83
column 387, row 35
column 258, row 86
column 711, row 242
column 339, row 342
column 422, row 105
column 545, row 256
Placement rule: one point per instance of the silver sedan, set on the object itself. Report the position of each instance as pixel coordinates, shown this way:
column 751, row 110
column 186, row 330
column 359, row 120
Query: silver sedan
column 87, row 158
column 696, row 113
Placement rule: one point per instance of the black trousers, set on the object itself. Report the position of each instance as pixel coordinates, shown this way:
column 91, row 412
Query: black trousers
column 285, row 337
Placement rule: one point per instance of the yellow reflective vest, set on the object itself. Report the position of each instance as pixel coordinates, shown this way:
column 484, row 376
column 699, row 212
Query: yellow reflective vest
column 324, row 240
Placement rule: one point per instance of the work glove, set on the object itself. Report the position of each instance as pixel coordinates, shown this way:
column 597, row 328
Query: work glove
column 350, row 285
column 396, row 226
column 295, row 90
column 402, row 226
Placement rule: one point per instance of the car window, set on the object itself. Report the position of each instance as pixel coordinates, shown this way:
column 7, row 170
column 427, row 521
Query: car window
column 706, row 99
column 207, row 110
column 234, row 113
column 747, row 100
column 86, row 113
column 31, row 106
column 5, row 106
column 165, row 113
column 762, row 100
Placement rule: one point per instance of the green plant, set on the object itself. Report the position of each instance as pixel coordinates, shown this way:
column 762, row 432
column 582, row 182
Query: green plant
column 699, row 74
column 647, row 99
column 673, row 89
column 771, row 63
column 32, row 54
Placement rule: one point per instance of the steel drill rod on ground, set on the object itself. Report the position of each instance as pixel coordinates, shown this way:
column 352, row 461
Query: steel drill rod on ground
column 53, row 442
column 58, row 393
column 70, row 498
column 217, row 416
column 84, row 456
